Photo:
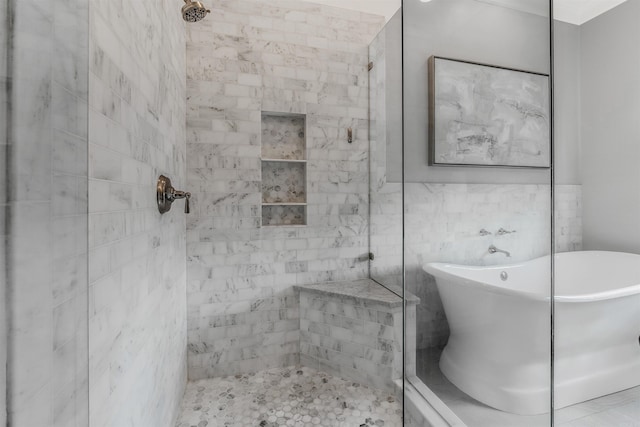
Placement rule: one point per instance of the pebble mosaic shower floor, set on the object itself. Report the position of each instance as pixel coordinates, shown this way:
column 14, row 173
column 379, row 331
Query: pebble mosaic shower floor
column 293, row 396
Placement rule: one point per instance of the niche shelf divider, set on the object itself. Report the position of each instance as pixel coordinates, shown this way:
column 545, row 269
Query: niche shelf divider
column 284, row 169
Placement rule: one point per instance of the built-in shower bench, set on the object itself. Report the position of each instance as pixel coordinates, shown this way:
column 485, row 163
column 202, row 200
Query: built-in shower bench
column 353, row 329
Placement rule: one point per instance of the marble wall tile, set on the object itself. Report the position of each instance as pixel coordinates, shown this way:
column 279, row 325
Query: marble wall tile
column 246, row 58
column 47, row 284
column 137, row 267
column 442, row 224
column 355, row 330
column 568, row 218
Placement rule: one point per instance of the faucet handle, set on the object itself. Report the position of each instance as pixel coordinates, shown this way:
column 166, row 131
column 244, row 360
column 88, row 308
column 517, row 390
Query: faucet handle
column 484, row 232
column 502, row 232
column 187, row 196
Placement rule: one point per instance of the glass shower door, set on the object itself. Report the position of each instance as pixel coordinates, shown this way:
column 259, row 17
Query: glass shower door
column 45, row 106
column 4, row 102
column 477, row 207
column 597, row 206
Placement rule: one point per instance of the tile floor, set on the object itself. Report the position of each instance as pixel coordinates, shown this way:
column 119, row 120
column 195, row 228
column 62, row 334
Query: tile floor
column 615, row 410
column 293, row 396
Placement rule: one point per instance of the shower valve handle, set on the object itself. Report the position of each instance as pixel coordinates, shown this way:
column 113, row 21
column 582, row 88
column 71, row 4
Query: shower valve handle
column 183, row 195
column 166, row 195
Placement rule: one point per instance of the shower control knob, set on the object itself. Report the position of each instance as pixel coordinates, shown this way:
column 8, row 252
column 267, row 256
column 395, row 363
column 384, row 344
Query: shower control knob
column 166, row 195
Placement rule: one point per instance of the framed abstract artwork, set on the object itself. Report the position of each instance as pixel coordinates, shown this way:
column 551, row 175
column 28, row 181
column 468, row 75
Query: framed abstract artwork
column 484, row 115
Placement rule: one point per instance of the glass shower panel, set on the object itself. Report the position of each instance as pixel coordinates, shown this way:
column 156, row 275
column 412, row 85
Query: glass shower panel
column 385, row 185
column 477, row 207
column 385, row 169
column 4, row 102
column 46, row 201
column 597, row 206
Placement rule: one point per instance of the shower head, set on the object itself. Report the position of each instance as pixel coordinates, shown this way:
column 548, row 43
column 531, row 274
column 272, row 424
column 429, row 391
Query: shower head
column 193, row 11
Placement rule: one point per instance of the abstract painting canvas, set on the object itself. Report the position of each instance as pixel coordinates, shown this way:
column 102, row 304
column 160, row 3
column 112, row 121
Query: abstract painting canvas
column 485, row 115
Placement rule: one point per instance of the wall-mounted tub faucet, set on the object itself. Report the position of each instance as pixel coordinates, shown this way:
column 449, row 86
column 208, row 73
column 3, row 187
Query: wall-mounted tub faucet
column 166, row 195
column 502, row 232
column 493, row 250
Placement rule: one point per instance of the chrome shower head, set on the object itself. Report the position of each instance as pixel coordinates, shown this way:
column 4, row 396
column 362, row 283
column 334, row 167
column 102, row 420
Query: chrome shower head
column 193, row 11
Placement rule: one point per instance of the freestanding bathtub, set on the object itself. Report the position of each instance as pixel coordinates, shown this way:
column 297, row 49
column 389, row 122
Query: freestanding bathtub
column 499, row 348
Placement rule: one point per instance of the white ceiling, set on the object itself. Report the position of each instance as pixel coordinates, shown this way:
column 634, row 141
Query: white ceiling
column 573, row 11
column 538, row 7
column 580, row 11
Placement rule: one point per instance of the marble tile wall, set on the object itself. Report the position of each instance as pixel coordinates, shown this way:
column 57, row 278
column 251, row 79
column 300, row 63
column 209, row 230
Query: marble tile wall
column 277, row 56
column 47, row 193
column 568, row 218
column 443, row 223
column 137, row 258
column 354, row 330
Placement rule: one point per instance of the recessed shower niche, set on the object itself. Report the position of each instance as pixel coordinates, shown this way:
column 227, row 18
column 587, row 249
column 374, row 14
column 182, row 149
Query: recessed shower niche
column 284, row 169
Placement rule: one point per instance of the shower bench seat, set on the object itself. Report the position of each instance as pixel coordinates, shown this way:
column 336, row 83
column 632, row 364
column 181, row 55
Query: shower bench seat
column 353, row 329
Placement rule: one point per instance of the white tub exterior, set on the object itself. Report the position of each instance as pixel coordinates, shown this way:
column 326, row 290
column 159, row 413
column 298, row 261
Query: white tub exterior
column 500, row 344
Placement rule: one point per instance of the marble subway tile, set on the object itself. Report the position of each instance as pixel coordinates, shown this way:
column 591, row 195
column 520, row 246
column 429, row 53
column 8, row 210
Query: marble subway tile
column 341, row 335
column 137, row 266
column 440, row 228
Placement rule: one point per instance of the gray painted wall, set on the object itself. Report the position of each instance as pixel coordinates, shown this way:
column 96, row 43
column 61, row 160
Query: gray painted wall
column 610, row 86
column 566, row 146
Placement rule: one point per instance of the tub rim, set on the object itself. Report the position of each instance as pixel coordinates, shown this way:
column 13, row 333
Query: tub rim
column 436, row 269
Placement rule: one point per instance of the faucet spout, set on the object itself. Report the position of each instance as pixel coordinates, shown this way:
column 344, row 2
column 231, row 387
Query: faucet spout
column 493, row 250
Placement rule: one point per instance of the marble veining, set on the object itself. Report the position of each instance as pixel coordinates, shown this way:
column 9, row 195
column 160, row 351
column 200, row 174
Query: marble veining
column 289, row 396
